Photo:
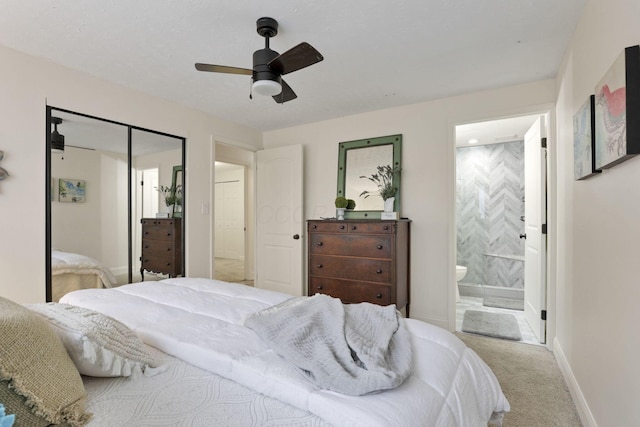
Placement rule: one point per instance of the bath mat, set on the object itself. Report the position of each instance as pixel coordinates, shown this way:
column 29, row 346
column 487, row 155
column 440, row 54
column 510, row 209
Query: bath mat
column 495, row 325
column 511, row 304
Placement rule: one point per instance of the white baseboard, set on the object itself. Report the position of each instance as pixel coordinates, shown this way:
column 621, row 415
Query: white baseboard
column 578, row 398
column 119, row 270
column 444, row 324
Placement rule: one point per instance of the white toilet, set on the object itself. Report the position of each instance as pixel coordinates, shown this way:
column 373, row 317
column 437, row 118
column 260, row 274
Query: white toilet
column 461, row 271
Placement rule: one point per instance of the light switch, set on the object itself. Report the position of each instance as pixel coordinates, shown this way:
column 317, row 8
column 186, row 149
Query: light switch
column 205, row 209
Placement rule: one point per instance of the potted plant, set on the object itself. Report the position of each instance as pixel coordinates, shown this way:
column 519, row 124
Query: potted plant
column 383, row 179
column 171, row 196
column 351, row 204
column 341, row 204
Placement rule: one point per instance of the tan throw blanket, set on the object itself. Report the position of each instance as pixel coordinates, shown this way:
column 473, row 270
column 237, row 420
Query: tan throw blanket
column 353, row 349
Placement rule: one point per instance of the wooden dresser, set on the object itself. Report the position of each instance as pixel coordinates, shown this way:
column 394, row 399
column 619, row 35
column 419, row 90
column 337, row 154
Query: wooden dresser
column 161, row 246
column 360, row 261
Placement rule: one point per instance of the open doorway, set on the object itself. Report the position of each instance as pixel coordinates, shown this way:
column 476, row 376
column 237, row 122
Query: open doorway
column 233, row 215
column 493, row 257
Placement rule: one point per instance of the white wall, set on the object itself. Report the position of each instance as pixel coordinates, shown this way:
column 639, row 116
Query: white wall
column 428, row 175
column 598, row 269
column 98, row 227
column 27, row 85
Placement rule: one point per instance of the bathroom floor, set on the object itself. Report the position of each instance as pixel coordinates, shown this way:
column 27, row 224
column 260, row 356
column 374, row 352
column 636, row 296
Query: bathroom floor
column 475, row 303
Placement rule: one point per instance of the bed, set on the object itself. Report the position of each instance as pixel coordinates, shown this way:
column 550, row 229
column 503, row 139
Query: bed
column 71, row 271
column 219, row 369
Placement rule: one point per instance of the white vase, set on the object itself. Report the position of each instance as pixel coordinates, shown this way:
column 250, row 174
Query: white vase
column 388, row 204
column 340, row 213
column 169, row 210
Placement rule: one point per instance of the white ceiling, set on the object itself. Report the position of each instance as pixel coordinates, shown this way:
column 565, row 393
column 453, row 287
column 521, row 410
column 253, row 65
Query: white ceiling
column 378, row 53
column 93, row 134
column 494, row 131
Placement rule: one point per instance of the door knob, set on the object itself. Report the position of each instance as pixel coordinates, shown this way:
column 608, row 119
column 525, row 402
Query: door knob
column 523, row 236
column 296, row 237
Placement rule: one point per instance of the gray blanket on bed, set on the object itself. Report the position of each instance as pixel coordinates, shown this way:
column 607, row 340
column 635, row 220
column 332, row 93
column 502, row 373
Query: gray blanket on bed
column 353, row 349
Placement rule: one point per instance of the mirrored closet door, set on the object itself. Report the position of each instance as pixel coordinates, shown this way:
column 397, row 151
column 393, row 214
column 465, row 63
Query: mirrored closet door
column 103, row 179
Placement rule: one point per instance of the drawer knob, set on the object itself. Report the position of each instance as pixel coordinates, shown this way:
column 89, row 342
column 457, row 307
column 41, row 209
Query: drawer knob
column 319, row 265
column 386, row 227
column 319, row 287
column 168, row 234
column 342, row 227
column 320, row 243
column 314, row 226
column 379, row 271
column 168, row 249
column 379, row 246
column 353, row 227
column 378, row 295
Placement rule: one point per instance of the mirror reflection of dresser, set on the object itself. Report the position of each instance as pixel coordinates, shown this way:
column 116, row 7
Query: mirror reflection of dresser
column 120, row 167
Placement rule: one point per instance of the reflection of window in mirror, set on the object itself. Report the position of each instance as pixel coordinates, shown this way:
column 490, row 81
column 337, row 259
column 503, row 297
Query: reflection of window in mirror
column 363, row 162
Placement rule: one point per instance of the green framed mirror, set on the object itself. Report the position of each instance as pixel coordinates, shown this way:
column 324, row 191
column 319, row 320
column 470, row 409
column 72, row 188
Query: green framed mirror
column 361, row 158
column 178, row 185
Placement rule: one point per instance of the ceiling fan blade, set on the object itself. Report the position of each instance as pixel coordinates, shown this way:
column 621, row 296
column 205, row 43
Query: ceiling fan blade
column 223, row 69
column 296, row 58
column 287, row 93
column 82, row 148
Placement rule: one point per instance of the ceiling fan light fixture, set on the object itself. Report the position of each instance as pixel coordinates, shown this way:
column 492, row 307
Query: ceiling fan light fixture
column 57, row 140
column 266, row 87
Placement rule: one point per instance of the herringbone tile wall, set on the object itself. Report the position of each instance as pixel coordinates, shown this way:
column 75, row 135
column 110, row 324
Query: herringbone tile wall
column 489, row 207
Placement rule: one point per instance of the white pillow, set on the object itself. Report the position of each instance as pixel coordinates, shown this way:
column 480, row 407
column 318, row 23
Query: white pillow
column 99, row 345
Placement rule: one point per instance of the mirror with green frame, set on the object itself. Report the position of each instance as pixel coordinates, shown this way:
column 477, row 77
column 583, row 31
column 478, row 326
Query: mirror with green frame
column 360, row 159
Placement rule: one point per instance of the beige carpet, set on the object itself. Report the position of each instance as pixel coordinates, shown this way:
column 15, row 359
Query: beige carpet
column 231, row 270
column 531, row 381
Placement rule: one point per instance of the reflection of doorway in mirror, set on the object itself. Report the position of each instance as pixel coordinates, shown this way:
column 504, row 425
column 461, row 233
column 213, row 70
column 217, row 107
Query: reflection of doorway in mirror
column 363, row 162
column 146, row 206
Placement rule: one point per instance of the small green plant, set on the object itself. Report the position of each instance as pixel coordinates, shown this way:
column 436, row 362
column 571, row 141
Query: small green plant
column 383, row 179
column 172, row 195
column 341, row 202
column 351, row 204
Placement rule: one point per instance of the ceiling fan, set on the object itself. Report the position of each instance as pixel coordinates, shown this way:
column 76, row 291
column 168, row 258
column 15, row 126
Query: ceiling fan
column 57, row 139
column 269, row 66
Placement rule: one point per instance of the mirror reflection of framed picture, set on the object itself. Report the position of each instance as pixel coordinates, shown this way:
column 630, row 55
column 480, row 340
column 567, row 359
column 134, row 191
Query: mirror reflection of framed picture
column 72, row 190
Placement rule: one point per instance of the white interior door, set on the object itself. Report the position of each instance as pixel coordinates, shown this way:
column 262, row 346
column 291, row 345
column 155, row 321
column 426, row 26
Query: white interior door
column 535, row 217
column 229, row 205
column 279, row 220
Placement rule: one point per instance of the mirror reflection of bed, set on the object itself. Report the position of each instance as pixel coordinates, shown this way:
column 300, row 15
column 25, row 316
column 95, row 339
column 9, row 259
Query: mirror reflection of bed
column 93, row 244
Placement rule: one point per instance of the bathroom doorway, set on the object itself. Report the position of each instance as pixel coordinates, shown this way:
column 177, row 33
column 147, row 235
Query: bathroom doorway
column 491, row 229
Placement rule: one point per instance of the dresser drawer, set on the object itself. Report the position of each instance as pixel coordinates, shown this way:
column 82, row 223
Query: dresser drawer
column 354, row 245
column 159, row 264
column 351, row 292
column 328, row 227
column 159, row 248
column 370, row 227
column 366, row 269
column 364, row 227
column 158, row 232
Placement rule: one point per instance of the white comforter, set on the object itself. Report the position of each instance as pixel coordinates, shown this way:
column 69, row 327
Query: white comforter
column 67, row 262
column 201, row 322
